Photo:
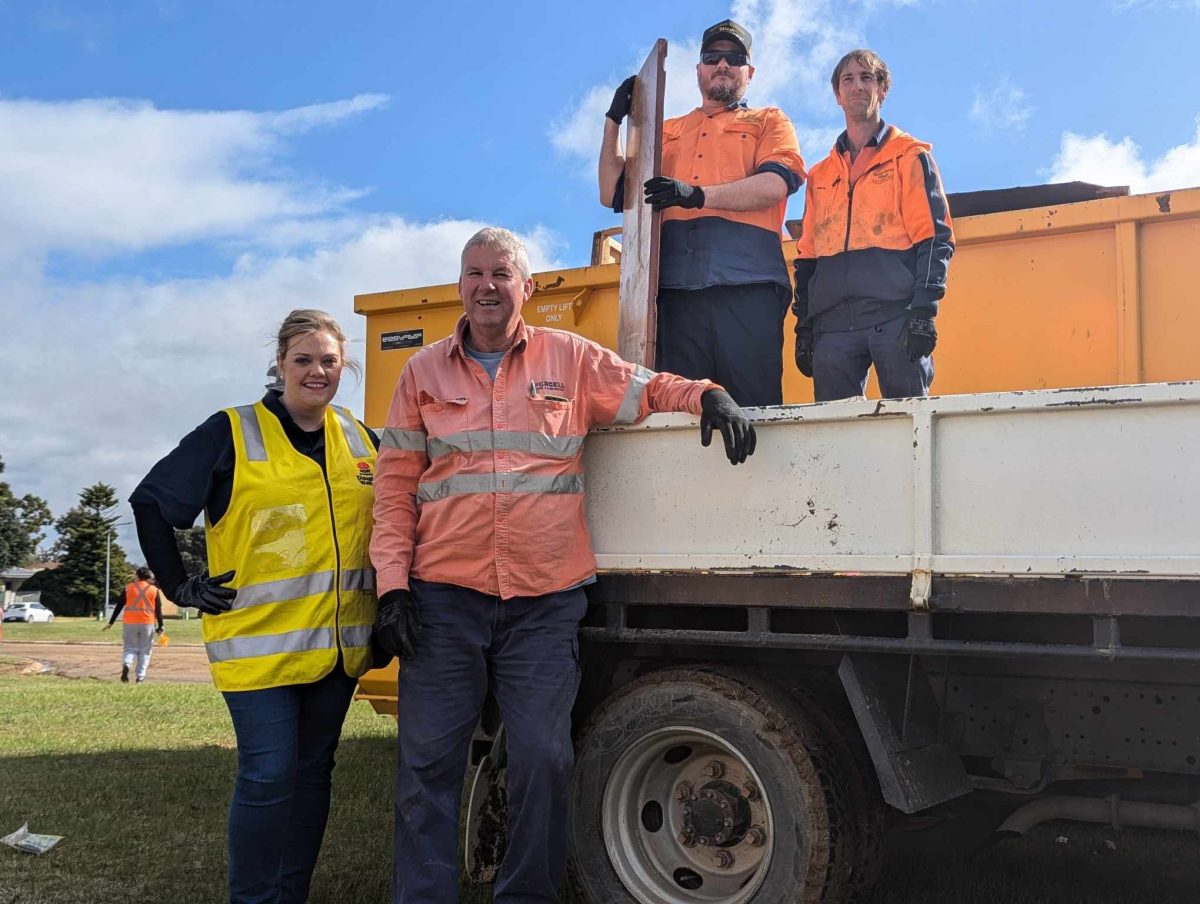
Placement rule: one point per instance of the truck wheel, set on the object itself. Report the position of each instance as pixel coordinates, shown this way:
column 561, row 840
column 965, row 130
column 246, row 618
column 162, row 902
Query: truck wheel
column 866, row 822
column 704, row 785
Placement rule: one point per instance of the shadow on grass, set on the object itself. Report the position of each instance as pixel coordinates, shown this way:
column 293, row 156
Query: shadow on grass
column 150, row 826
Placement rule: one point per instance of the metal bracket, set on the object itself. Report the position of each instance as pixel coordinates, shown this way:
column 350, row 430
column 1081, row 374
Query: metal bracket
column 922, row 589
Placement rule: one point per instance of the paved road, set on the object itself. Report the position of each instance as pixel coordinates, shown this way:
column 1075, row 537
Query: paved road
column 178, row 662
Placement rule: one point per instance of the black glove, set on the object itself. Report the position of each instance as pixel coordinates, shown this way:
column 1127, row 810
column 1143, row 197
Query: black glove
column 158, row 630
column 209, row 595
column 920, row 335
column 662, row 192
column 622, row 100
column 805, row 343
column 397, row 624
column 722, row 412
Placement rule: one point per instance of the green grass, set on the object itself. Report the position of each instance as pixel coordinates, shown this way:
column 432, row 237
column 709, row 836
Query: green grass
column 77, row 630
column 138, row 780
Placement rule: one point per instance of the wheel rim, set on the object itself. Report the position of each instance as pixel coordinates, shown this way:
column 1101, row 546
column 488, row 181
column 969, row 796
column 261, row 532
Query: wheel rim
column 686, row 819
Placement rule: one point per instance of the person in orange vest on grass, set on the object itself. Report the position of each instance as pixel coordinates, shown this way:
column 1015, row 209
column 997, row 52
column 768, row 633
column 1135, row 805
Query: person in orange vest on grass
column 142, row 605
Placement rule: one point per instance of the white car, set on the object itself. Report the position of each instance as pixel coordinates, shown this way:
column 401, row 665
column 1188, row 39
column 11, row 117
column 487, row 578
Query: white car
column 28, row 612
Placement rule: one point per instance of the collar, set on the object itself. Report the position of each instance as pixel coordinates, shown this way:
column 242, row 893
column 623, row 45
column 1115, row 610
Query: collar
column 728, row 108
column 458, row 340
column 876, row 140
column 273, row 402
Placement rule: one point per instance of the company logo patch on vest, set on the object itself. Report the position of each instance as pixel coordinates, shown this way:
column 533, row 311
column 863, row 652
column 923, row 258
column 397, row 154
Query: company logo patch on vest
column 365, row 476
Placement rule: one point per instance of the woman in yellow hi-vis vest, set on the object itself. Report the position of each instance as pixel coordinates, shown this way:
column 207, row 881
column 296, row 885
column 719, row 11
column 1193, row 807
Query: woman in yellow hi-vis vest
column 286, row 486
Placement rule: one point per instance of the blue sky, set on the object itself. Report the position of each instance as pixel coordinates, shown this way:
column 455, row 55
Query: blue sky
column 176, row 176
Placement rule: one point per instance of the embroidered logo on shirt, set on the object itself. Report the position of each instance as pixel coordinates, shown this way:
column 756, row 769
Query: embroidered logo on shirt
column 365, row 477
column 883, row 175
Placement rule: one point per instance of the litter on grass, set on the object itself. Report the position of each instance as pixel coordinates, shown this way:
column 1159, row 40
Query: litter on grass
column 24, row 840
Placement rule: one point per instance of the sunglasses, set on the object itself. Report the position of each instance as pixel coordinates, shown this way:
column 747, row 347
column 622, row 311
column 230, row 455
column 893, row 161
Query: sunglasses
column 732, row 57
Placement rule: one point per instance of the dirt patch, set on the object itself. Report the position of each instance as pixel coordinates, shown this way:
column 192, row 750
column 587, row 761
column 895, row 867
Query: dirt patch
column 179, row 662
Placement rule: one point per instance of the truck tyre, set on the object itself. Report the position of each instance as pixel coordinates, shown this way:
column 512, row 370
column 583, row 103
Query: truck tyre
column 707, row 785
column 867, row 822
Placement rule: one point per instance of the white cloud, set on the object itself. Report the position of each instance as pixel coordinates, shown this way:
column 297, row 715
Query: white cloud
column 101, row 378
column 1003, row 107
column 1122, row 5
column 796, row 44
column 97, row 176
column 1100, row 160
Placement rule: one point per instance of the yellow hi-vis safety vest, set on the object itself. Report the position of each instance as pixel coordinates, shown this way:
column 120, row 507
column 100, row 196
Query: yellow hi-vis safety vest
column 299, row 544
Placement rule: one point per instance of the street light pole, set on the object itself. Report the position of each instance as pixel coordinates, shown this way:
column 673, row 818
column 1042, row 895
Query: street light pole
column 108, row 568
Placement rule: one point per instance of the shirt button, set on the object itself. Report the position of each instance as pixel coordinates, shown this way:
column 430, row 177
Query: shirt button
column 703, row 134
column 700, row 156
column 437, row 407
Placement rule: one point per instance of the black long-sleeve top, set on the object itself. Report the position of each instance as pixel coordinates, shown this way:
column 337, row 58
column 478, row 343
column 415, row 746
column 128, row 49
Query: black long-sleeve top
column 197, row 476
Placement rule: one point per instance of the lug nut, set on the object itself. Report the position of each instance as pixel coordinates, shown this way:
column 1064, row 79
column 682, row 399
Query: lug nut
column 714, row 769
column 728, row 823
column 757, row 836
column 750, row 790
column 723, row 859
column 683, row 790
column 687, row 839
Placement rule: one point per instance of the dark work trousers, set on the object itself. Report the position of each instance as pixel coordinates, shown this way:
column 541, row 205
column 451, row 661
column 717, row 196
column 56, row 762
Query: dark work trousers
column 527, row 649
column 732, row 335
column 286, row 738
column 841, row 361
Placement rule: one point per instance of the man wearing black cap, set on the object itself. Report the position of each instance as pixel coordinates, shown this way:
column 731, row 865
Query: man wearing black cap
column 727, row 171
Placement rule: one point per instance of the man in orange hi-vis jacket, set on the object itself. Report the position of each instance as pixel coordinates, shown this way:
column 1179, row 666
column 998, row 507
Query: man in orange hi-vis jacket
column 142, row 605
column 481, row 554
column 875, row 249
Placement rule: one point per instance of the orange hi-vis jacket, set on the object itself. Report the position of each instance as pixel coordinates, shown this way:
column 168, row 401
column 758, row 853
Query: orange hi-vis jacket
column 480, row 483
column 707, row 247
column 873, row 248
column 140, row 597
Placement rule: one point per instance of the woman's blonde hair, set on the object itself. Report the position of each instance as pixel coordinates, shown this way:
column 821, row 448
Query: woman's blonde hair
column 302, row 322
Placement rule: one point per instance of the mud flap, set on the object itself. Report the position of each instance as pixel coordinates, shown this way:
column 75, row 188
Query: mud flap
column 898, row 717
column 487, row 810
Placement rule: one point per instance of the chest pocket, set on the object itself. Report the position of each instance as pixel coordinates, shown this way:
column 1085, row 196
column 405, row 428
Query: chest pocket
column 550, row 428
column 446, row 425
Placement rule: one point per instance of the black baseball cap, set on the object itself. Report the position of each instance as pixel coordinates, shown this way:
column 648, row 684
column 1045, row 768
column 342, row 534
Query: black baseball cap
column 727, row 30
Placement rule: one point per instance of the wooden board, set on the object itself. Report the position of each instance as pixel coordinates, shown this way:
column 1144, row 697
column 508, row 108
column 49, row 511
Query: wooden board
column 640, row 234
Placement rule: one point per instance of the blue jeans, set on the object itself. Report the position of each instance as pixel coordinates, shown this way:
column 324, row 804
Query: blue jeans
column 841, row 360
column 286, row 738
column 527, row 650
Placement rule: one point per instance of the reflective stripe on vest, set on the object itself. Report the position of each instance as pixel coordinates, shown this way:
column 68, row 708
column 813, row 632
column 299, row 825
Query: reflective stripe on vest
column 506, row 482
column 139, row 607
column 285, row 589
column 252, row 437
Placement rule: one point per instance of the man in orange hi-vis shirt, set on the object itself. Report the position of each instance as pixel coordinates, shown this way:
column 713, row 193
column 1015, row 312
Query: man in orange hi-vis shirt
column 481, row 554
column 874, row 252
column 142, row 605
column 727, row 171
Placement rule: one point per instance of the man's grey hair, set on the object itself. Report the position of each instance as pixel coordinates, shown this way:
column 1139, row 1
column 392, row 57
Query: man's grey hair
column 502, row 240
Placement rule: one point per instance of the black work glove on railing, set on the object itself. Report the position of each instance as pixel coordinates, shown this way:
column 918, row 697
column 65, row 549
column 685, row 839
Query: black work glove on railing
column 663, row 192
column 920, row 335
column 209, row 595
column 722, row 412
column 622, row 100
column 805, row 343
column 397, row 625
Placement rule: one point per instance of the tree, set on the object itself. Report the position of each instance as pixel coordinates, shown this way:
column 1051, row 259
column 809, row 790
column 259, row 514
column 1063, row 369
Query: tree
column 77, row 586
column 21, row 523
column 193, row 547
